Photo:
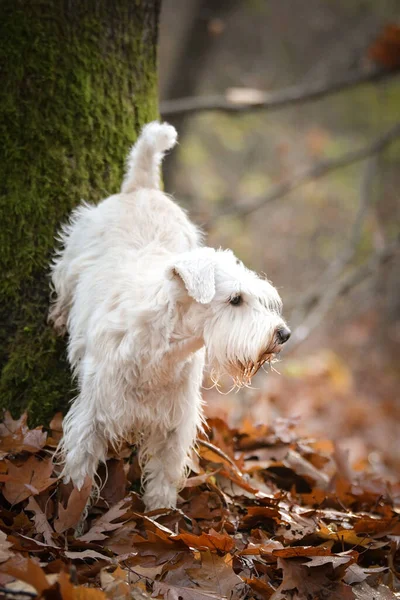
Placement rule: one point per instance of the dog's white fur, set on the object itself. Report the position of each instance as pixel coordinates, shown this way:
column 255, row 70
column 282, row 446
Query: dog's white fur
column 143, row 302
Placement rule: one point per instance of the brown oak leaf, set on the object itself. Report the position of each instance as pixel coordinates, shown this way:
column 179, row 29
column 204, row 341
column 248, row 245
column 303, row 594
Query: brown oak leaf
column 16, row 437
column 87, row 554
column 105, row 523
column 213, row 541
column 5, row 552
column 41, row 523
column 69, row 517
column 28, row 479
column 29, row 571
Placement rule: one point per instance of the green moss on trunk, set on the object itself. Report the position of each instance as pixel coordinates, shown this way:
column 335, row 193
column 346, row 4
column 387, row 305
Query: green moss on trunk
column 78, row 82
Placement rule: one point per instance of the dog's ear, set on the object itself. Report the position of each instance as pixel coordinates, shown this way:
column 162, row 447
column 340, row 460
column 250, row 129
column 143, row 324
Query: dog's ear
column 197, row 271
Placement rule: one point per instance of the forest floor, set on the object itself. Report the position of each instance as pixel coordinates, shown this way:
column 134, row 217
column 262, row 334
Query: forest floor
column 356, row 405
column 265, row 513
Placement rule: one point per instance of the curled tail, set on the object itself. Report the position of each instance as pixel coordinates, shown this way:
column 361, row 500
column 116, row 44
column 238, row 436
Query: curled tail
column 144, row 159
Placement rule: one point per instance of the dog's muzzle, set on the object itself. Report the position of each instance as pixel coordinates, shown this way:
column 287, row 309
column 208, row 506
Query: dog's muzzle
column 250, row 369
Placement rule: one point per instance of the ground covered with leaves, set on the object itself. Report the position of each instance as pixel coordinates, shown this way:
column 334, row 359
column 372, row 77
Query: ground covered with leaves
column 264, row 514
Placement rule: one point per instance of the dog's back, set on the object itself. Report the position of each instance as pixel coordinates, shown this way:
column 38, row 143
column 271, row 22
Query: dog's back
column 122, row 231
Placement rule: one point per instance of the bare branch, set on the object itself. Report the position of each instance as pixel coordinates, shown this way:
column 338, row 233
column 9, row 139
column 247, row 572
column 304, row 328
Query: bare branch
column 377, row 260
column 334, row 270
column 341, row 287
column 275, row 100
column 312, row 172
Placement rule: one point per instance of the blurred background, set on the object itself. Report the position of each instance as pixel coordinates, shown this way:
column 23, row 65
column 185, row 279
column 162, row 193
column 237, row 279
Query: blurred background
column 304, row 191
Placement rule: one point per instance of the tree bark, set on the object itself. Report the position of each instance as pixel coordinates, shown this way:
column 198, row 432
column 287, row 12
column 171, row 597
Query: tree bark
column 78, row 80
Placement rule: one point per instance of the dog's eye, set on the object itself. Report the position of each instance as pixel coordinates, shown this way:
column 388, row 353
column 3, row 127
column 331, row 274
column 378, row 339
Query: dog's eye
column 236, row 300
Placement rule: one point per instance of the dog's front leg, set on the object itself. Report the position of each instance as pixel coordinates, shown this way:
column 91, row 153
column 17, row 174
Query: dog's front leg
column 163, row 471
column 178, row 351
column 165, row 457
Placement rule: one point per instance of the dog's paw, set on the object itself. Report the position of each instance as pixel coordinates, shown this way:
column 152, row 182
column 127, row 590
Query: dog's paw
column 154, row 499
column 161, row 136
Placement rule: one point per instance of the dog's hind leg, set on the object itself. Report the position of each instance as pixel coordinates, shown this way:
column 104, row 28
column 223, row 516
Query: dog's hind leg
column 84, row 443
column 61, row 297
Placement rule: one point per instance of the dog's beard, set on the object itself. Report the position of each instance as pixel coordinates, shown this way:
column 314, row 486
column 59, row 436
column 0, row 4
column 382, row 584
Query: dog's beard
column 239, row 351
column 241, row 371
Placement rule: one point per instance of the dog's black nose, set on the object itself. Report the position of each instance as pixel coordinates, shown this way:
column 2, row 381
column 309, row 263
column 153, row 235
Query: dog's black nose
column 283, row 334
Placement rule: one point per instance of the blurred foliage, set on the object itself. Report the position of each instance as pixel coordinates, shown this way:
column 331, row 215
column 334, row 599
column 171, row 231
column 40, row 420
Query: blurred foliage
column 226, row 160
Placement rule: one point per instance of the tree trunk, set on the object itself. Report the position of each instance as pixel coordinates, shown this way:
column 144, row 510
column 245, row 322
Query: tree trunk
column 78, row 80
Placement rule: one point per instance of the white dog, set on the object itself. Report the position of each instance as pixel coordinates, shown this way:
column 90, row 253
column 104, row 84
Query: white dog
column 144, row 303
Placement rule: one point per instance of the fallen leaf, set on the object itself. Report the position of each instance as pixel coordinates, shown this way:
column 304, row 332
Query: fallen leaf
column 28, row 479
column 356, row 574
column 213, row 541
column 216, row 576
column 120, row 540
column 17, row 588
column 139, row 573
column 345, row 536
column 373, row 526
column 115, row 486
column 10, row 426
column 86, row 554
column 237, row 531
column 155, row 550
column 16, row 437
column 56, row 430
column 334, row 560
column 303, row 551
column 5, row 552
column 175, row 592
column 259, row 514
column 262, row 549
column 41, row 523
column 66, row 587
column 207, row 505
column 115, row 583
column 366, row 592
column 69, row 517
column 28, row 571
column 301, row 466
column 105, row 524
column 200, row 479
column 296, row 576
column 85, row 593
column 263, row 588
column 211, row 453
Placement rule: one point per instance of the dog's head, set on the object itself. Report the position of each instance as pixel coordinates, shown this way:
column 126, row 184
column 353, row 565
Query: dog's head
column 237, row 313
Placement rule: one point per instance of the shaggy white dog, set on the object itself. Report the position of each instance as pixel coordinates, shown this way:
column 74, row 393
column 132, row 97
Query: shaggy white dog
column 144, row 303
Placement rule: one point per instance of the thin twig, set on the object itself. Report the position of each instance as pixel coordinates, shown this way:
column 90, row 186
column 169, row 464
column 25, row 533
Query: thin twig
column 378, row 259
column 312, row 172
column 341, row 287
column 220, row 453
column 275, row 100
column 306, row 303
